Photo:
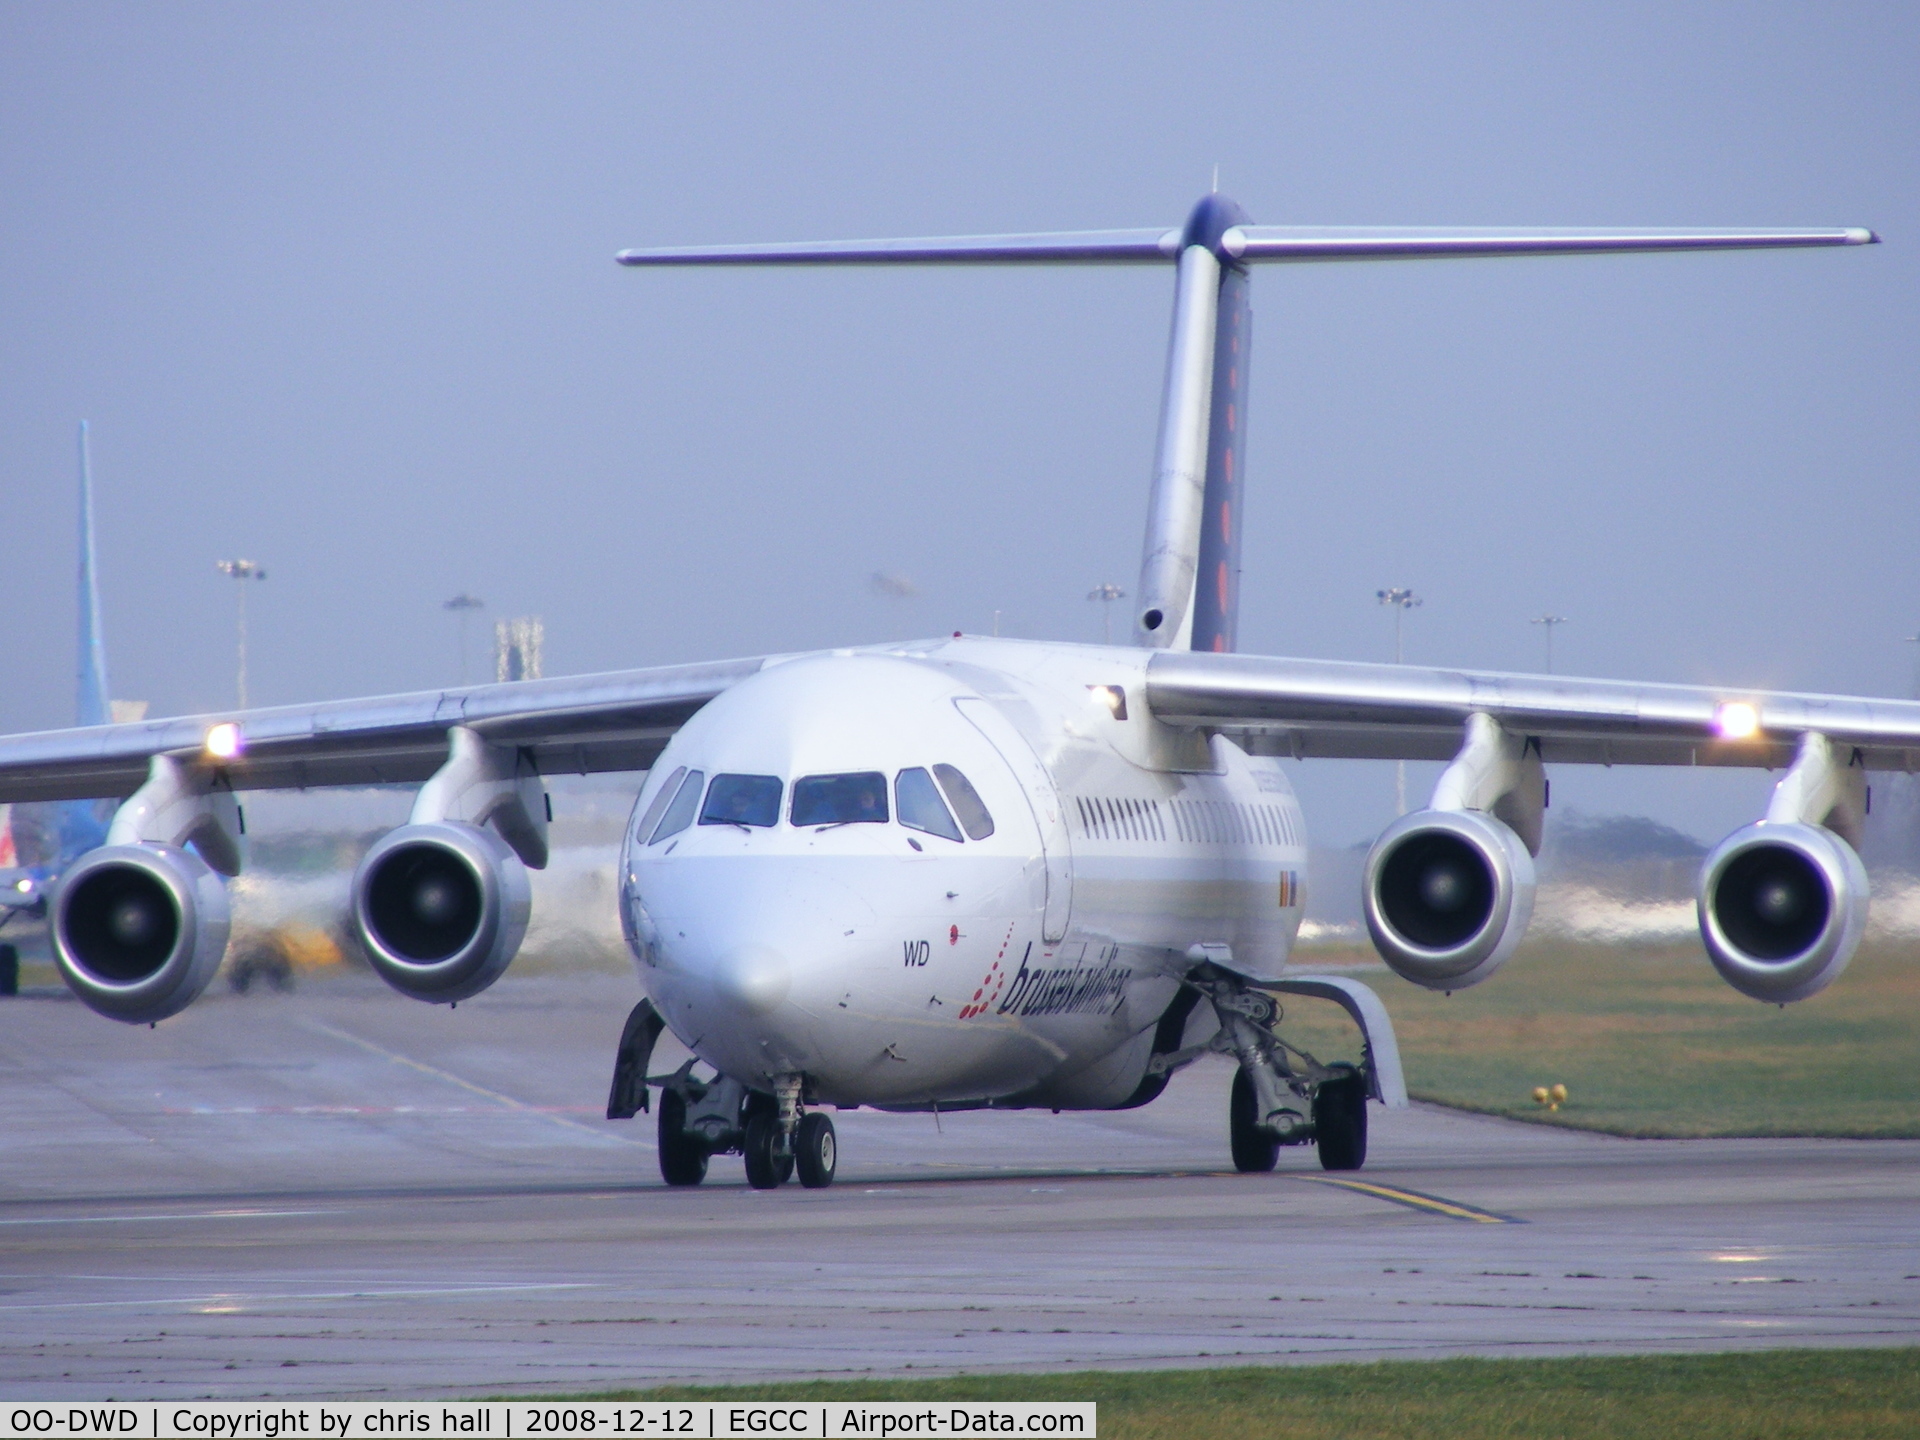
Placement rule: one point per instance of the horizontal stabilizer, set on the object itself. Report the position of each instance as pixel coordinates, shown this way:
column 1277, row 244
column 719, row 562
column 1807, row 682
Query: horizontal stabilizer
column 1082, row 247
column 1309, row 242
column 1242, row 243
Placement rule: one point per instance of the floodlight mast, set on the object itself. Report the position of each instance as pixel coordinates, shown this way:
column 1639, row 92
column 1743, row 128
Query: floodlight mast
column 1548, row 622
column 1401, row 600
column 1106, row 594
column 243, row 571
column 462, row 606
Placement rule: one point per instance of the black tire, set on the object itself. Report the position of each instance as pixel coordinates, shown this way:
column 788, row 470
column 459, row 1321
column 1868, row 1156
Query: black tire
column 1254, row 1150
column 816, row 1151
column 9, row 970
column 683, row 1159
column 765, row 1170
column 1340, row 1121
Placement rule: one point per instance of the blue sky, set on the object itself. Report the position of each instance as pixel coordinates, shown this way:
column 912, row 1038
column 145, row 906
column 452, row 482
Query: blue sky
column 335, row 287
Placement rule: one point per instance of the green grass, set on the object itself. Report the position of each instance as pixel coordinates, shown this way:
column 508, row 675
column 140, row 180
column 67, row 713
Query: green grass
column 1767, row 1395
column 1655, row 1043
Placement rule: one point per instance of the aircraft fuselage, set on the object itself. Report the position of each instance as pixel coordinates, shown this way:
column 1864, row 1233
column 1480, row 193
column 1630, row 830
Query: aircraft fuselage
column 912, row 960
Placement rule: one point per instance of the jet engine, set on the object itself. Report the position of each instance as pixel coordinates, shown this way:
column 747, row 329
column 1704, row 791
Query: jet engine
column 441, row 908
column 1782, row 908
column 1448, row 894
column 138, row 930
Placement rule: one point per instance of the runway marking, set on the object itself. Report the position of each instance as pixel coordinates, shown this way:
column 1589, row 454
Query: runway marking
column 197, row 1215
column 321, row 1027
column 1414, row 1200
column 228, row 1301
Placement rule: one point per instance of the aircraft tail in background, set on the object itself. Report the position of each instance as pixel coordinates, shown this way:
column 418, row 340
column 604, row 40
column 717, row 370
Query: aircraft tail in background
column 38, row 841
column 93, row 706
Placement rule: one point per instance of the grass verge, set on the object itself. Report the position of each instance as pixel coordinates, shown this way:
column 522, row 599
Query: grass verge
column 1764, row 1395
column 1654, row 1043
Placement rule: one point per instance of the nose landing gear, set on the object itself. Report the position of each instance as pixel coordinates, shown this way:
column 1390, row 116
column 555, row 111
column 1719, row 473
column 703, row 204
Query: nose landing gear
column 779, row 1139
column 815, row 1151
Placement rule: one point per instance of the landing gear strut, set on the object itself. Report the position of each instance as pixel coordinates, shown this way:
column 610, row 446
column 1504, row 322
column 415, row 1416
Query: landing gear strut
column 1281, row 1094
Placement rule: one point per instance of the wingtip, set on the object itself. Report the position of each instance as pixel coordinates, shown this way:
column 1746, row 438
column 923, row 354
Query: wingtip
column 1862, row 237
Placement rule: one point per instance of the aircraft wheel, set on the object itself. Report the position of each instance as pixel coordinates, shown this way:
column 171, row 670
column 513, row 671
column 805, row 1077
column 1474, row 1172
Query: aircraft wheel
column 815, row 1151
column 1340, row 1122
column 1254, row 1150
column 9, row 970
column 683, row 1159
column 765, row 1170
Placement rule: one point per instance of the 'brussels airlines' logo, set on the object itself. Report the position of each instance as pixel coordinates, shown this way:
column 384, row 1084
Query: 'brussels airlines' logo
column 1075, row 989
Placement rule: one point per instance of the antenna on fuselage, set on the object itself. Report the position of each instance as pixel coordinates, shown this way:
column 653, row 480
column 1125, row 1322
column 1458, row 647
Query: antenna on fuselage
column 1189, row 591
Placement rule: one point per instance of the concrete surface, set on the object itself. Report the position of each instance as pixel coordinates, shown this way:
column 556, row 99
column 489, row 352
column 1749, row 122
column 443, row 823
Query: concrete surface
column 344, row 1193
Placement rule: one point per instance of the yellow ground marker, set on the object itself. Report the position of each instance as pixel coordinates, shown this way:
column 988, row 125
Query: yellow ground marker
column 1414, row 1200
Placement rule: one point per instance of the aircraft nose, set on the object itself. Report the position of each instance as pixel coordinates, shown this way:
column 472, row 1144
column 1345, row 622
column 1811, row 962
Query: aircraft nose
column 753, row 977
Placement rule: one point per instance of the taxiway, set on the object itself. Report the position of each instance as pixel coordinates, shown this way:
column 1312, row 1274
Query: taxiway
column 343, row 1193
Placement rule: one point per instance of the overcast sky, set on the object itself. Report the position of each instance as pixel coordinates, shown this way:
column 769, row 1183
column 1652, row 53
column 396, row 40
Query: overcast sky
column 334, row 285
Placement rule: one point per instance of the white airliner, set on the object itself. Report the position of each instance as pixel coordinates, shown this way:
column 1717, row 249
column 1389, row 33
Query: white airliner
column 975, row 872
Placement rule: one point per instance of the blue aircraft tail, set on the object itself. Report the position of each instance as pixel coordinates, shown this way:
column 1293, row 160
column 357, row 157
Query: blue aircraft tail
column 38, row 841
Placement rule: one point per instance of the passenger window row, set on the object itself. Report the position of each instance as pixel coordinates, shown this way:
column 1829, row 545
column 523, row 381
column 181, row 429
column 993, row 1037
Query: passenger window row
column 1120, row 819
column 923, row 801
column 1226, row 822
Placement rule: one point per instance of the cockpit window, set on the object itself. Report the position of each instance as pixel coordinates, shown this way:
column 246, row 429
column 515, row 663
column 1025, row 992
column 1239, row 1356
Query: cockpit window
column 742, row 800
column 680, row 813
column 920, row 806
column 857, row 799
column 966, row 802
column 660, row 798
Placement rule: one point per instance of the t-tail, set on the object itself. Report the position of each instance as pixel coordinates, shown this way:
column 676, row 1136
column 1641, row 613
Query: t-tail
column 1189, row 591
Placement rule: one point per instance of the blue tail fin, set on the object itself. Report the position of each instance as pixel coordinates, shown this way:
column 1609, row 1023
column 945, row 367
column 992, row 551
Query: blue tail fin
column 94, row 707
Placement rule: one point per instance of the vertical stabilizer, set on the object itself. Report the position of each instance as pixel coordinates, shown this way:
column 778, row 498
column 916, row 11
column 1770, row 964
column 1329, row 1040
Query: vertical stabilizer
column 1216, row 599
column 1189, row 571
column 93, row 708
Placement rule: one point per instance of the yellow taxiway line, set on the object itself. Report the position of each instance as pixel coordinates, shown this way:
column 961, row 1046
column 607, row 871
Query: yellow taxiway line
column 1414, row 1200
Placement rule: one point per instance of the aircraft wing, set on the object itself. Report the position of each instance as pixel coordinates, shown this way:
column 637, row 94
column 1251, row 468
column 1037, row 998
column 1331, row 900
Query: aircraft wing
column 576, row 724
column 1342, row 710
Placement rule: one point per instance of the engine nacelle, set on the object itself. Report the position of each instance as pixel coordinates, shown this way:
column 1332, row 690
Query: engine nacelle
column 138, row 930
column 1448, row 894
column 441, row 908
column 1782, row 909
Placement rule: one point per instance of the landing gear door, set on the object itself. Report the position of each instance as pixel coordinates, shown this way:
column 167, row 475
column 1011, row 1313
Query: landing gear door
column 1049, row 819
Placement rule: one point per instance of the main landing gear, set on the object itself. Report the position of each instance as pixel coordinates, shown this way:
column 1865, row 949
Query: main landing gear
column 699, row 1118
column 1282, row 1095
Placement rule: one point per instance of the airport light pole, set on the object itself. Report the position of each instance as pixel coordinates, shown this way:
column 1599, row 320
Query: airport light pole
column 242, row 571
column 1401, row 600
column 1549, row 621
column 1106, row 594
column 463, row 605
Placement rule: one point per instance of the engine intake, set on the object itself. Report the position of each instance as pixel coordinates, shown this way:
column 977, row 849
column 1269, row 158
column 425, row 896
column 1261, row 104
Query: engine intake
column 139, row 930
column 441, row 908
column 1782, row 909
column 1448, row 894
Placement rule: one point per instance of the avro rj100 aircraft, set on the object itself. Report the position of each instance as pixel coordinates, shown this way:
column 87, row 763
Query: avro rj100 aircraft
column 970, row 872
